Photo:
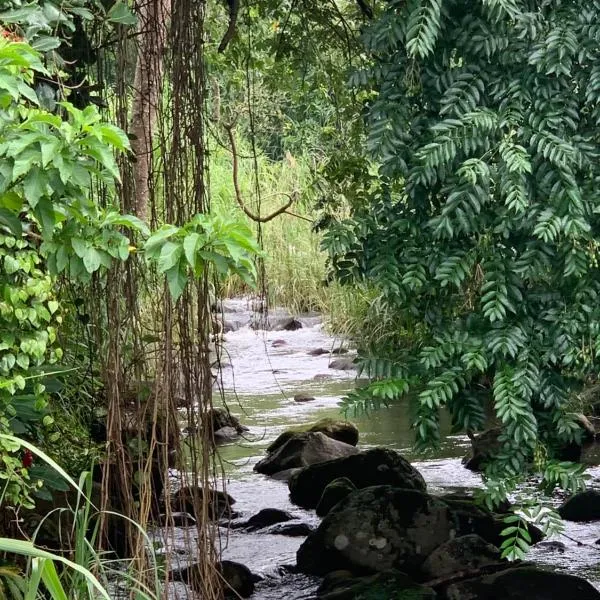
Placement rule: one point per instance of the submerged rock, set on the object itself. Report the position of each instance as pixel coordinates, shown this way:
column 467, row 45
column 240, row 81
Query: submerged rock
column 464, row 553
column 290, row 529
column 584, row 506
column 264, row 518
column 523, row 583
column 219, row 417
column 278, row 343
column 334, row 493
column 178, row 519
column 343, row 364
column 188, row 498
column 343, row 431
column 301, row 450
column 303, row 398
column 236, row 579
column 377, row 466
column 377, row 529
column 342, row 585
column 484, row 446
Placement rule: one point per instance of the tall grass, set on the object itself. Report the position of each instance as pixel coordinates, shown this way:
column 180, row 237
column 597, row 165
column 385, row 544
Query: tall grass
column 294, row 264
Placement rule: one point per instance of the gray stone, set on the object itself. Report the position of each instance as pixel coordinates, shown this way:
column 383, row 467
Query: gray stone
column 334, row 493
column 523, row 583
column 584, row 506
column 343, row 431
column 343, row 364
column 377, row 529
column 301, row 450
column 377, row 466
column 464, row 553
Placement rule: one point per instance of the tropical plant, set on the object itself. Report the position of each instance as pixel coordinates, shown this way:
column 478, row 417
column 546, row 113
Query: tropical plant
column 488, row 114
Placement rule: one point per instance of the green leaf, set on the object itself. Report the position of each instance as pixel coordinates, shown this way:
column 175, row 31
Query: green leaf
column 176, row 280
column 170, row 255
column 92, row 259
column 120, row 14
column 190, row 246
column 11, row 221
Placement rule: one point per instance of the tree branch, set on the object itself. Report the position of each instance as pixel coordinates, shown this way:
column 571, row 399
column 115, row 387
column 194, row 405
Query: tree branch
column 236, row 187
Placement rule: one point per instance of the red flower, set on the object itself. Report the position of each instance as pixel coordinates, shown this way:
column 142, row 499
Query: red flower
column 27, row 459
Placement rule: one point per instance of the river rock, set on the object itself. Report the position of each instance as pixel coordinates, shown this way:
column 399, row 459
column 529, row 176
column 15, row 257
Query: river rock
column 523, row 583
column 343, row 431
column 301, row 450
column 343, row 364
column 472, row 518
column 317, row 351
column 377, row 466
column 218, row 418
column 342, row 585
column 264, row 518
column 333, row 493
column 289, row 324
column 464, row 553
column 290, row 529
column 237, row 579
column 278, row 343
column 484, row 446
column 303, row 398
column 584, row 506
column 377, row 529
column 187, row 498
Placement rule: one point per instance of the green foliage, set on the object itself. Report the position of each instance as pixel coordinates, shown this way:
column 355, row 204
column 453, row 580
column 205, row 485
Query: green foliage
column 181, row 252
column 481, row 234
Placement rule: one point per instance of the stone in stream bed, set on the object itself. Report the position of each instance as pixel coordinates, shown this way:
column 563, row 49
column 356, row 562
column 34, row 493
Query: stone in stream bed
column 377, row 466
column 301, row 450
column 343, row 364
column 264, row 518
column 464, row 553
column 178, row 519
column 334, row 493
column 584, row 506
column 304, row 398
column 523, row 583
column 321, row 351
column 278, row 343
column 236, row 579
column 343, row 431
column 383, row 527
column 290, row 529
column 187, row 498
column 391, row 585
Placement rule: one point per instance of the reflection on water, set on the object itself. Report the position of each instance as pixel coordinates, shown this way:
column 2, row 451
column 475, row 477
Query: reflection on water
column 259, row 389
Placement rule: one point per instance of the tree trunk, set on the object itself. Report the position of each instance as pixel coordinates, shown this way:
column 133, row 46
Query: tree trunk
column 153, row 17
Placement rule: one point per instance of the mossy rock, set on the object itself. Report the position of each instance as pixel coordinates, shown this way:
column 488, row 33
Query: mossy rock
column 342, row 431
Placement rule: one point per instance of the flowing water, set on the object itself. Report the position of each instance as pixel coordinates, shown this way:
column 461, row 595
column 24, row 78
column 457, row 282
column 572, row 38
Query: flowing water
column 258, row 384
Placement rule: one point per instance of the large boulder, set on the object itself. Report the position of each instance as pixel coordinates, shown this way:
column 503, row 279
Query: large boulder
column 302, row 450
column 472, row 518
column 188, row 498
column 334, row 493
column 464, row 553
column 377, row 466
column 377, row 529
column 523, row 583
column 392, row 585
column 342, row 431
column 484, row 446
column 584, row 506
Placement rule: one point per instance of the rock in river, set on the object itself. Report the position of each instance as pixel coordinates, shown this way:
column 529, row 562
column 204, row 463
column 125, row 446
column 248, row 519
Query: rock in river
column 301, row 450
column 377, row 529
column 236, row 579
column 464, row 553
column 187, row 498
column 584, row 506
column 378, row 466
column 343, row 431
column 264, row 518
column 392, row 585
column 523, row 583
column 334, row 493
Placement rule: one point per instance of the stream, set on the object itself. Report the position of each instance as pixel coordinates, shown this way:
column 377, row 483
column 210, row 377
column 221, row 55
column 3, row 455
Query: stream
column 258, row 382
